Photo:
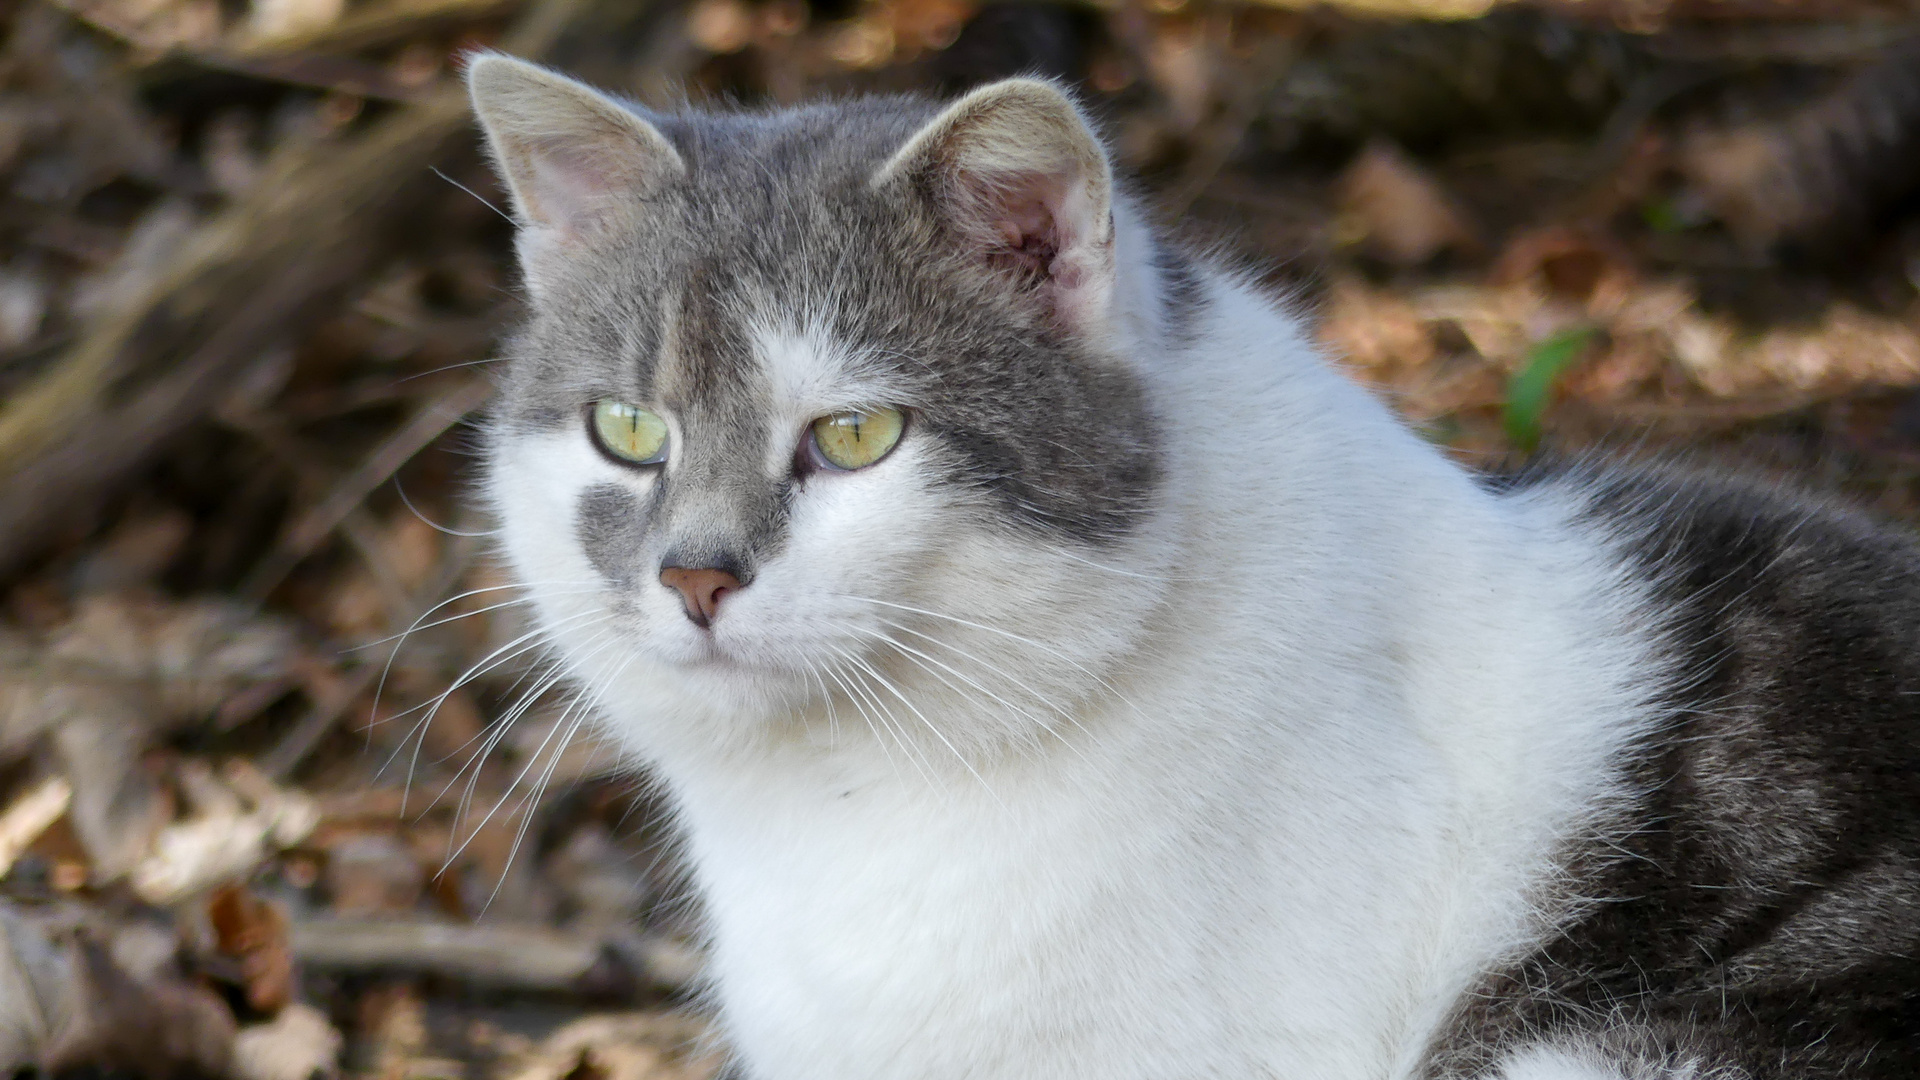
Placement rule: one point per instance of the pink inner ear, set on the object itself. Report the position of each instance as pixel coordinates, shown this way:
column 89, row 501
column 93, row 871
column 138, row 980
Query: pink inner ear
column 1016, row 221
column 573, row 185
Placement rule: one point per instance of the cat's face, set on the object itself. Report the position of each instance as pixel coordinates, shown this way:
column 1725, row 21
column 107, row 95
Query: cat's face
column 825, row 411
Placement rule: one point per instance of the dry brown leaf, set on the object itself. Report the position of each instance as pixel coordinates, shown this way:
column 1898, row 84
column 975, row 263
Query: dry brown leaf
column 231, row 836
column 393, row 1020
column 298, row 1044
column 254, row 932
column 190, row 654
column 124, row 669
column 37, row 1002
column 1395, row 210
column 1571, row 264
column 720, row 26
column 118, row 806
column 1373, row 330
column 29, row 815
column 66, row 1000
column 369, row 873
column 623, row 1046
column 153, row 26
column 268, row 20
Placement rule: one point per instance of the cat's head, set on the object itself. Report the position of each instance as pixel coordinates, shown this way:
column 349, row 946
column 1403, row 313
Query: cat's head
column 833, row 411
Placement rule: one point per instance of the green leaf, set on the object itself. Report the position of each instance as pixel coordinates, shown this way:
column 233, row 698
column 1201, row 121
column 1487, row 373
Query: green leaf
column 1532, row 386
column 1662, row 216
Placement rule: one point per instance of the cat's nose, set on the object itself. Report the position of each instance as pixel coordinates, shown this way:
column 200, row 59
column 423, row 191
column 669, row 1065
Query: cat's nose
column 700, row 588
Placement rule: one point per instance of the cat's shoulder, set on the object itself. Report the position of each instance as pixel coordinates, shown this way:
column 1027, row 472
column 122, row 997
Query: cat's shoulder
column 1794, row 607
column 1694, row 523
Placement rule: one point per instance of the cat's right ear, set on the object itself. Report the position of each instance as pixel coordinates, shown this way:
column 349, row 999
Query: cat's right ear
column 577, row 162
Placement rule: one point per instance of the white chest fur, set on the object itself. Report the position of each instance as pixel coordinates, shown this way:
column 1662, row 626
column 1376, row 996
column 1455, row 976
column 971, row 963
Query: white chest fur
column 1319, row 801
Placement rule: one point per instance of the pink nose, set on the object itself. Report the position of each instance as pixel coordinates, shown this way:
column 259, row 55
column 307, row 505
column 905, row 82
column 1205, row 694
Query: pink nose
column 700, row 589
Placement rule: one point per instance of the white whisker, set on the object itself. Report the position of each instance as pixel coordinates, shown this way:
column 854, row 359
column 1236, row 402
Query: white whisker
column 931, row 726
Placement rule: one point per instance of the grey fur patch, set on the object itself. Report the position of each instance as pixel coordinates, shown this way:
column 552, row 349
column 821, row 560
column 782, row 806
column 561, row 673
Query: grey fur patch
column 1183, row 292
column 608, row 524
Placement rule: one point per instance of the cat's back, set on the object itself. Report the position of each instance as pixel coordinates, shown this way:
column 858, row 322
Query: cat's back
column 1767, row 870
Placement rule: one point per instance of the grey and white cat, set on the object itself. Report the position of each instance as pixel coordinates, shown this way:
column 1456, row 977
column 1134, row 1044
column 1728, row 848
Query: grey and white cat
column 1061, row 672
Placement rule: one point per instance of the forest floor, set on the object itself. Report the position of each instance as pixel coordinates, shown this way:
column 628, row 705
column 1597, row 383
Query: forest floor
column 284, row 790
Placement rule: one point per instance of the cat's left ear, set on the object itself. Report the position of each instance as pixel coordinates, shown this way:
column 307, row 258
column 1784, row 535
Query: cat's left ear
column 1014, row 170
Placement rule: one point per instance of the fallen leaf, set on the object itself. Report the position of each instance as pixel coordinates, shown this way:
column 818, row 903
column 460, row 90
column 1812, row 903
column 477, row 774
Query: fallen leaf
column 298, row 1044
column 66, row 1001
column 623, row 1046
column 254, row 932
column 31, row 813
column 368, row 873
column 1392, row 208
column 37, row 1002
column 228, row 839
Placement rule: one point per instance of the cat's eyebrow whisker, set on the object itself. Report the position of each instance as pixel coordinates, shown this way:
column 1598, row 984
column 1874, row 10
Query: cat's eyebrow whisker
column 401, row 490
column 444, row 368
column 504, row 216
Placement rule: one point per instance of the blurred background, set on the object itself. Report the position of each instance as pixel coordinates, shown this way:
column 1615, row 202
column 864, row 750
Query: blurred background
column 285, row 792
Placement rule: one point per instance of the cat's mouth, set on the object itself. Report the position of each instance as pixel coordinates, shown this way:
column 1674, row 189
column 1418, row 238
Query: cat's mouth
column 709, row 653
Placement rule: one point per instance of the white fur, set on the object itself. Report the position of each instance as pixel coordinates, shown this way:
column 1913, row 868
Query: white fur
column 1546, row 1062
column 1254, row 793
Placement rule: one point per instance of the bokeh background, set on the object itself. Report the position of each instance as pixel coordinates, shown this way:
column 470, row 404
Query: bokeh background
column 286, row 793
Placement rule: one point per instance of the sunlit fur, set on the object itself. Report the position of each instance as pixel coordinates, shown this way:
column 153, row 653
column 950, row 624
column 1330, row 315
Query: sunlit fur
column 1256, row 786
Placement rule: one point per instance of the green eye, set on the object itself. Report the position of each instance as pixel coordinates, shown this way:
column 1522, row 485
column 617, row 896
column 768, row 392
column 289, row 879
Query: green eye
column 855, row 440
column 630, row 432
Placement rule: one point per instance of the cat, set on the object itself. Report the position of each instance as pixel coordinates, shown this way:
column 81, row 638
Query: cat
column 1059, row 670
